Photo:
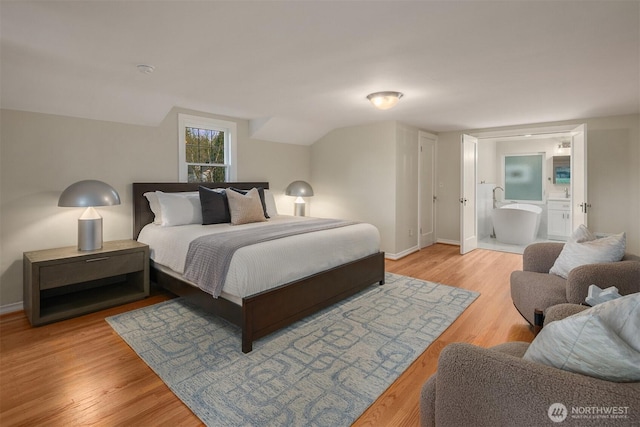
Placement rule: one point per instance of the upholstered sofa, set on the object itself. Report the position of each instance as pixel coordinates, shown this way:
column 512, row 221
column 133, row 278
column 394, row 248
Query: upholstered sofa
column 534, row 288
column 477, row 386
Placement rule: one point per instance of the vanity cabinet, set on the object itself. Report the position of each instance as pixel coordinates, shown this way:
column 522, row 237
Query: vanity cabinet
column 558, row 219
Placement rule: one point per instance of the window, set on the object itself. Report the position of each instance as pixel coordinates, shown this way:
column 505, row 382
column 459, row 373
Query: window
column 523, row 177
column 207, row 149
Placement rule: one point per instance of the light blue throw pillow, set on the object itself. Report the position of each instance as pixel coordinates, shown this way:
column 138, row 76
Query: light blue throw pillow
column 575, row 254
column 602, row 342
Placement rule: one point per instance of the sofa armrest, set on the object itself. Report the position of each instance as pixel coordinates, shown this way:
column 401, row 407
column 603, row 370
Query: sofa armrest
column 561, row 311
column 540, row 257
column 479, row 386
column 624, row 275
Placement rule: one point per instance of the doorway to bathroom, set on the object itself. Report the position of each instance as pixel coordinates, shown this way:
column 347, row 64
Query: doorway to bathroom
column 522, row 186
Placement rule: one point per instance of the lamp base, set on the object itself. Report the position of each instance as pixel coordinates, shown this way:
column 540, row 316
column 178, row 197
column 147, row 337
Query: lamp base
column 89, row 233
column 299, row 209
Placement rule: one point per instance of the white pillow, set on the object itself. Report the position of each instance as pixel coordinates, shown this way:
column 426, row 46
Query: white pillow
column 575, row 254
column 270, row 202
column 581, row 234
column 154, row 204
column 601, row 342
column 180, row 208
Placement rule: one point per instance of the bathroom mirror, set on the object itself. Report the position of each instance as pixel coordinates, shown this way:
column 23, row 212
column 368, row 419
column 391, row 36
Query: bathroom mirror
column 561, row 169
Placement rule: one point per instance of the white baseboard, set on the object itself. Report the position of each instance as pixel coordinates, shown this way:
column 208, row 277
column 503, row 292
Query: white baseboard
column 395, row 257
column 448, row 242
column 11, row 308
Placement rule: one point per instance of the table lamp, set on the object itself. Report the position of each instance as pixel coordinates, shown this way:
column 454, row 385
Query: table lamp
column 89, row 193
column 299, row 189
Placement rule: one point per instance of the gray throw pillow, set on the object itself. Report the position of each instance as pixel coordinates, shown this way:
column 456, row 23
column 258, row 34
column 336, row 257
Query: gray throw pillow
column 575, row 254
column 602, row 342
column 215, row 206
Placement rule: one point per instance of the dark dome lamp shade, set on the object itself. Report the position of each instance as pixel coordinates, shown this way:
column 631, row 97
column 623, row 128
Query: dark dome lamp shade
column 299, row 189
column 89, row 193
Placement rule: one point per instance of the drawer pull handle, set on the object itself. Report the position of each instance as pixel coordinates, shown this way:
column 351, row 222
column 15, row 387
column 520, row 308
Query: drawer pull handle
column 97, row 259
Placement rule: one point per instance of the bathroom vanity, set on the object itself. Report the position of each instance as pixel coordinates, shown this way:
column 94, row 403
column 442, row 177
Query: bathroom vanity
column 558, row 219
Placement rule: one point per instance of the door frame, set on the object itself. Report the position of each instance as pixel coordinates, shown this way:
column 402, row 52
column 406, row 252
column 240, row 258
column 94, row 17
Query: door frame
column 421, row 184
column 468, row 227
column 577, row 201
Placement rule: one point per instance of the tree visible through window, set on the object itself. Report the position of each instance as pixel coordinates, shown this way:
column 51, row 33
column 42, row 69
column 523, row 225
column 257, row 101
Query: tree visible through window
column 206, row 149
column 205, row 155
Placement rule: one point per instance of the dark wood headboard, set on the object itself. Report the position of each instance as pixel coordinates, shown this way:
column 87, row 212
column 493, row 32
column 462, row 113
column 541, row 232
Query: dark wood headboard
column 142, row 214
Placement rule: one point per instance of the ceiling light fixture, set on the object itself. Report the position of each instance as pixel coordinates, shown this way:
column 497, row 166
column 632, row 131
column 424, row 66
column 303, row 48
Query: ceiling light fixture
column 146, row 69
column 384, row 100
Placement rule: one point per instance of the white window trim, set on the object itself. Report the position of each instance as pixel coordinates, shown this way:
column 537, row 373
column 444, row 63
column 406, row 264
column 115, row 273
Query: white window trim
column 230, row 133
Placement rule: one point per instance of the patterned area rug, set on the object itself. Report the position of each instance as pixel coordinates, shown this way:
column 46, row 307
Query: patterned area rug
column 324, row 370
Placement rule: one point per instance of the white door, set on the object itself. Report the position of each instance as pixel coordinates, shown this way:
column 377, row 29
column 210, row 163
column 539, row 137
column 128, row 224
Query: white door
column 468, row 216
column 426, row 188
column 579, row 202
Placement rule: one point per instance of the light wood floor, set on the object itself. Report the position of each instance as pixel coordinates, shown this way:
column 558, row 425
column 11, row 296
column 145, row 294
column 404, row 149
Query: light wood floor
column 79, row 372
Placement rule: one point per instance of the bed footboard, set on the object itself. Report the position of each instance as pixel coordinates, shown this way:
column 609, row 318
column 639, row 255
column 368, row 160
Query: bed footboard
column 272, row 310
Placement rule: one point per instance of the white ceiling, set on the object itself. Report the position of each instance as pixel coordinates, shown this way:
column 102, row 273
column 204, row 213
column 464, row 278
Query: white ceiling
column 298, row 69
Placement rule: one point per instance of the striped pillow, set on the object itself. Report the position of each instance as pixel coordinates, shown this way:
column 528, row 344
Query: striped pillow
column 574, row 254
column 245, row 208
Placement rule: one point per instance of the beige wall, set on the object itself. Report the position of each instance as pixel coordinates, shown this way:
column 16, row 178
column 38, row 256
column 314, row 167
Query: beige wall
column 40, row 155
column 613, row 177
column 369, row 173
column 353, row 177
column 361, row 172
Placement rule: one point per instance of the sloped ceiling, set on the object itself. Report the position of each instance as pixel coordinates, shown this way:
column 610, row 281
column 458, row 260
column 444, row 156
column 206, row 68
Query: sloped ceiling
column 297, row 69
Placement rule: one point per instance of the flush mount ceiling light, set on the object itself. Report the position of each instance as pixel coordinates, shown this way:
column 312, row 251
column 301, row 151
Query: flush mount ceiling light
column 384, row 100
column 146, row 69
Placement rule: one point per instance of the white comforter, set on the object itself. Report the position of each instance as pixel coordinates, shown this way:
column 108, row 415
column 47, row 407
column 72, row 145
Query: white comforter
column 263, row 266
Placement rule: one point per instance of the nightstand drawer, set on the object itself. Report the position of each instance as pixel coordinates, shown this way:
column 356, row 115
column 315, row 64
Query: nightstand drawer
column 99, row 267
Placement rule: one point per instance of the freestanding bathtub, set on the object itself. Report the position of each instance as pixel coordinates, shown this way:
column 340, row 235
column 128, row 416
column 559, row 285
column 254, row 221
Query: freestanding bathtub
column 516, row 223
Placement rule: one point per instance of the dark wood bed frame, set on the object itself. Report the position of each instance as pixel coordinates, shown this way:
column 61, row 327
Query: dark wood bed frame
column 268, row 311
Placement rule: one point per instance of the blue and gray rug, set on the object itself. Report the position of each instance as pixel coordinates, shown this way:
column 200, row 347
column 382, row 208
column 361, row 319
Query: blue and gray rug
column 322, row 371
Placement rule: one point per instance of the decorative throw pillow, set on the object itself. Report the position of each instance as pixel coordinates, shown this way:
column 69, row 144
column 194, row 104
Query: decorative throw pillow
column 215, row 206
column 180, row 209
column 581, row 234
column 245, row 208
column 601, row 342
column 262, row 198
column 575, row 254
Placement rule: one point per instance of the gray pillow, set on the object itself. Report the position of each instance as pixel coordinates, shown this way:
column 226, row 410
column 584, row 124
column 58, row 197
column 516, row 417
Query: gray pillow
column 575, row 254
column 602, row 342
column 215, row 206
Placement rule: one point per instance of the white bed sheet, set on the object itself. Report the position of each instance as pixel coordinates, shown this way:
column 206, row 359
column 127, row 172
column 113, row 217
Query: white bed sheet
column 265, row 265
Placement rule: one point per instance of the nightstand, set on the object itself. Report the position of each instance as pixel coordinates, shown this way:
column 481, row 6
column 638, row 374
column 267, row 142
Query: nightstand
column 65, row 282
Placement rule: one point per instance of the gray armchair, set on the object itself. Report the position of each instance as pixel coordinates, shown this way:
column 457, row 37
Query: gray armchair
column 477, row 386
column 534, row 288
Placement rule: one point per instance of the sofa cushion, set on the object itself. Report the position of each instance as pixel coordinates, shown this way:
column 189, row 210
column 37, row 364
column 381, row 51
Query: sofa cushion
column 602, row 342
column 575, row 254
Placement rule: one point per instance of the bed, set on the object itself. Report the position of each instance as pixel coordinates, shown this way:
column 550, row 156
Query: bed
column 266, row 311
